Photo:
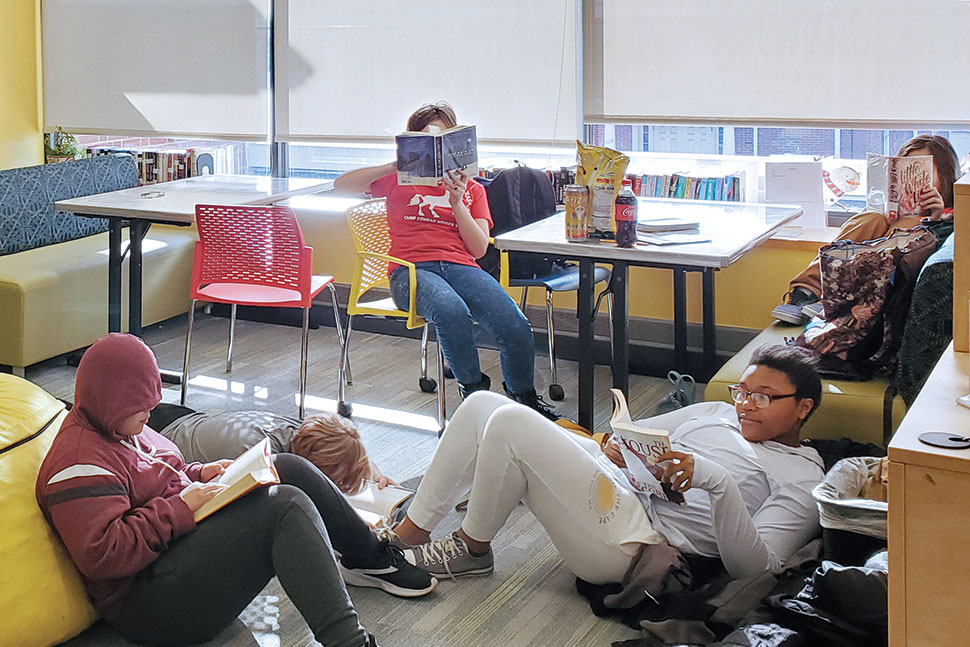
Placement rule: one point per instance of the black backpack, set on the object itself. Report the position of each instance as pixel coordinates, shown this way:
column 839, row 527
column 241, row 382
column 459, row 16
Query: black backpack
column 518, row 196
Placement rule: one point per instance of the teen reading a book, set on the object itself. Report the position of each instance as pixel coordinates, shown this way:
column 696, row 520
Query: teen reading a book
column 328, row 440
column 746, row 479
column 122, row 499
column 443, row 229
column 936, row 206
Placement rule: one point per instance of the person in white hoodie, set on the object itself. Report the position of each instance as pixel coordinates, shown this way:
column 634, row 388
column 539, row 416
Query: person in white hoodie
column 746, row 478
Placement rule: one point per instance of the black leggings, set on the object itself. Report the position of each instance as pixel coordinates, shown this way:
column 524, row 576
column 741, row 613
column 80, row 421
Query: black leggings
column 206, row 578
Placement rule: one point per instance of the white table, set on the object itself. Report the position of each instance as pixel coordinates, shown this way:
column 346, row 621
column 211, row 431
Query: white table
column 734, row 229
column 139, row 207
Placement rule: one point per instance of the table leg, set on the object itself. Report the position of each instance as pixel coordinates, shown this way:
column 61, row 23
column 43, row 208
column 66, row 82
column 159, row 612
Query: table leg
column 136, row 233
column 584, row 310
column 680, row 320
column 710, row 329
column 621, row 319
column 114, row 275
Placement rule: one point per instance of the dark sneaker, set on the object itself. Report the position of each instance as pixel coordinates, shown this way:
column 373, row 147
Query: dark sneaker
column 484, row 384
column 400, row 577
column 812, row 310
column 534, row 401
column 450, row 557
column 371, row 641
column 791, row 311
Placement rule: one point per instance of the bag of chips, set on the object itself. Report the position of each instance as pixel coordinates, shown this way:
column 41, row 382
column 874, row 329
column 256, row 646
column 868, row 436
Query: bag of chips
column 601, row 170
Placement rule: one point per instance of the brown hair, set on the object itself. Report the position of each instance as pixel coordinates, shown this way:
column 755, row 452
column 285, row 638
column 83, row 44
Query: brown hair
column 945, row 160
column 430, row 112
column 332, row 443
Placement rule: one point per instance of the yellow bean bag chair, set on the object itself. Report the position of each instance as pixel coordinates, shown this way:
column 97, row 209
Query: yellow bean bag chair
column 42, row 599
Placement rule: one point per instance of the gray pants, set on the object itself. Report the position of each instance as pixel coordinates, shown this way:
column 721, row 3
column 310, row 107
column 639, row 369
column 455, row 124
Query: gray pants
column 206, row 578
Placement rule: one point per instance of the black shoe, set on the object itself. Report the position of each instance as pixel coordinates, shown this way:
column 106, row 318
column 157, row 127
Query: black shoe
column 371, row 641
column 533, row 400
column 399, row 577
column 464, row 390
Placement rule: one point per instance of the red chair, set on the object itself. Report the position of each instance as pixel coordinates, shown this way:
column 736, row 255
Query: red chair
column 254, row 256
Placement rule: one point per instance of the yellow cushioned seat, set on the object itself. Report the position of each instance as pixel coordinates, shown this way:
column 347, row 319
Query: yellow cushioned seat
column 42, row 599
column 850, row 409
column 54, row 299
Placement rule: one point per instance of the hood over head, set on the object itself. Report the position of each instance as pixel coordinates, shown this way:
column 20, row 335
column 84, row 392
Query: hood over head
column 117, row 377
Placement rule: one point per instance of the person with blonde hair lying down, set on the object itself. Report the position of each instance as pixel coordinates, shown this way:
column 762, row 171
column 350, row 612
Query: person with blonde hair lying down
column 328, row 440
column 746, row 478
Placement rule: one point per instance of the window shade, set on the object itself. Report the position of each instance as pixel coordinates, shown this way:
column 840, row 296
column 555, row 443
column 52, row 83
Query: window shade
column 867, row 61
column 181, row 67
column 358, row 69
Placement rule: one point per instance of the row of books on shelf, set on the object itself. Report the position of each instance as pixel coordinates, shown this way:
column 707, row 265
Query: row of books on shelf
column 728, row 188
column 165, row 165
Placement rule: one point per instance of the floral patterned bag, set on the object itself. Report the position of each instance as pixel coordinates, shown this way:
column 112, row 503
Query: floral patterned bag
column 860, row 283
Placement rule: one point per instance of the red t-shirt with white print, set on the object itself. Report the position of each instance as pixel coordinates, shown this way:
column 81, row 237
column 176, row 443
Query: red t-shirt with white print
column 422, row 222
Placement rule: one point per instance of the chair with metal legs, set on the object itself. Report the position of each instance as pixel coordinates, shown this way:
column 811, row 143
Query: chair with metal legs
column 255, row 256
column 562, row 278
column 368, row 227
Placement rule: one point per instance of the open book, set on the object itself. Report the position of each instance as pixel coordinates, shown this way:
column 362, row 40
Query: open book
column 248, row 472
column 897, row 182
column 373, row 504
column 640, row 447
column 424, row 158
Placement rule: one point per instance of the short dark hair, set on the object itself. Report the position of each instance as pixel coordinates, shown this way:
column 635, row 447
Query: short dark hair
column 945, row 159
column 429, row 112
column 799, row 364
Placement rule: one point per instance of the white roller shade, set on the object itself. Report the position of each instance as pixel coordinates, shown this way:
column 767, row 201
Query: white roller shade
column 796, row 61
column 358, row 69
column 182, row 67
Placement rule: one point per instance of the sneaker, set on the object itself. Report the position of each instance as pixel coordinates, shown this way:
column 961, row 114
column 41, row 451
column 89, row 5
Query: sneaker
column 534, row 401
column 400, row 577
column 484, row 384
column 812, row 310
column 371, row 641
column 791, row 311
column 450, row 557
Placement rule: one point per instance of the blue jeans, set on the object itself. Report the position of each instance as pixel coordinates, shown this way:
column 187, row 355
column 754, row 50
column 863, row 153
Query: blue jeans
column 449, row 295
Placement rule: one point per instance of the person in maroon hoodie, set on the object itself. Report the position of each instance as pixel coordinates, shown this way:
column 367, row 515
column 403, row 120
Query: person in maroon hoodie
column 121, row 498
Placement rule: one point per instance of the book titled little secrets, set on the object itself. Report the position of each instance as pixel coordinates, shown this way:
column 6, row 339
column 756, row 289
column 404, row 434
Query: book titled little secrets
column 640, row 447
column 425, row 158
column 251, row 470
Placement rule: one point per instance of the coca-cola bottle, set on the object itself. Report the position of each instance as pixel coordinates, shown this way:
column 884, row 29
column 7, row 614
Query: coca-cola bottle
column 626, row 216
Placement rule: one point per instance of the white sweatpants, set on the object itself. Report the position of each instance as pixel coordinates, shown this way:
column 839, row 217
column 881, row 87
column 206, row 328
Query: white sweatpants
column 508, row 453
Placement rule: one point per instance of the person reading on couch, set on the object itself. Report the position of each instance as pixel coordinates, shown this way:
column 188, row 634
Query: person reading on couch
column 328, row 440
column 122, row 498
column 801, row 302
column 746, row 479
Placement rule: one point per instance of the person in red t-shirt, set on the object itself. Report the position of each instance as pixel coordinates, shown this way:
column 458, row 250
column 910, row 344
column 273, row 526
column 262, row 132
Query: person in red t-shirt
column 442, row 230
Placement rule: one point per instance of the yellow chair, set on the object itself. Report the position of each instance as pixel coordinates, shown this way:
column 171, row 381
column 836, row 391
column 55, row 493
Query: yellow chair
column 368, row 227
column 41, row 593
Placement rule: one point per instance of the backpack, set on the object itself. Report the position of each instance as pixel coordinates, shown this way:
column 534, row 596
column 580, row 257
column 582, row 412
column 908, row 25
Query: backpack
column 518, row 196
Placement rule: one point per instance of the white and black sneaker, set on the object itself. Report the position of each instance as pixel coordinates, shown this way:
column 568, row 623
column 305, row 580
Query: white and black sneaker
column 400, row 577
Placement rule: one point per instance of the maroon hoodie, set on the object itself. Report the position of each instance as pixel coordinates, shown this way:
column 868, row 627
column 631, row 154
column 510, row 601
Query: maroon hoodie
column 113, row 499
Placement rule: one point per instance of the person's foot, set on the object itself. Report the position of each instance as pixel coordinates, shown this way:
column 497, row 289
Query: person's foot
column 371, row 641
column 791, row 310
column 450, row 557
column 532, row 400
column 400, row 577
column 464, row 390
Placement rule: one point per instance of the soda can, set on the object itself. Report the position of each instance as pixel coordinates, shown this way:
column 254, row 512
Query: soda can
column 577, row 213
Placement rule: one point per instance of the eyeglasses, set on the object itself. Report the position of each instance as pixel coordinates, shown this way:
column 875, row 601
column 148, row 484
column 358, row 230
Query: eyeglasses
column 760, row 400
